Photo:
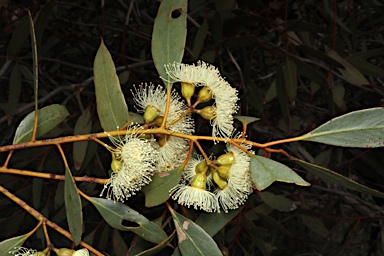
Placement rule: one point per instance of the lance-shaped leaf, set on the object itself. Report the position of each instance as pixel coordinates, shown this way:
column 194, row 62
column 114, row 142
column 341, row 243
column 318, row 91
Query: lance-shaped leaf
column 193, row 240
column 11, row 243
column 156, row 249
column 276, row 202
column 115, row 213
column 49, row 117
column 290, row 79
column 83, row 126
column 214, row 222
column 362, row 128
column 169, row 34
column 157, row 192
column 332, row 176
column 265, row 171
column 73, row 207
column 111, row 106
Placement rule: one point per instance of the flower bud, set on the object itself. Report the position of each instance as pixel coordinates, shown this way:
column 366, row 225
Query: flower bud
column 208, row 112
column 159, row 121
column 226, row 159
column 150, row 114
column 116, row 164
column 187, row 90
column 64, row 252
column 223, row 171
column 162, row 140
column 222, row 184
column 201, row 167
column 204, row 95
column 199, row 181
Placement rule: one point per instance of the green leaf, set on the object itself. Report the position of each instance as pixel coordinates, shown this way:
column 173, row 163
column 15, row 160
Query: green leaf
column 214, row 222
column 316, row 225
column 83, row 126
column 199, row 40
column 265, row 171
column 49, row 118
column 11, row 243
column 246, row 119
column 157, row 192
column 290, row 79
column 276, row 202
column 118, row 242
column 73, row 207
column 362, row 128
column 19, row 37
column 114, row 213
column 320, row 56
column 193, row 240
column 281, row 93
column 111, row 106
column 169, row 34
column 135, row 118
column 334, row 177
column 156, row 249
column 366, row 67
column 349, row 72
column 14, row 90
column 338, row 92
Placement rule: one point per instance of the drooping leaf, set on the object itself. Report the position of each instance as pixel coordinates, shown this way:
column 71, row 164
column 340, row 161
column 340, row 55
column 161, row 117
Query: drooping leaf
column 282, row 93
column 111, row 106
column 169, row 34
column 114, row 213
column 135, row 118
column 157, row 192
column 315, row 224
column 349, row 72
column 320, row 56
column 118, row 243
column 366, row 67
column 193, row 240
column 338, row 93
column 11, row 243
column 276, row 202
column 83, row 126
column 49, row 117
column 199, row 40
column 214, row 222
column 362, row 128
column 14, row 89
column 19, row 37
column 157, row 249
column 334, row 177
column 290, row 79
column 73, row 207
column 265, row 171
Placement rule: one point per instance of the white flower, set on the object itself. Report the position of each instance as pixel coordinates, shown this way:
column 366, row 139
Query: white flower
column 200, row 198
column 172, row 150
column 225, row 96
column 81, row 252
column 239, row 180
column 134, row 163
column 22, row 251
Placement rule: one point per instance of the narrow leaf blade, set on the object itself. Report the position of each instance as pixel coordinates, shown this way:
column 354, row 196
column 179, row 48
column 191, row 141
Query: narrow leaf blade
column 169, row 34
column 362, row 128
column 49, row 117
column 157, row 192
column 11, row 243
column 114, row 213
column 334, row 177
column 193, row 240
column 73, row 207
column 111, row 106
column 265, row 171
column 83, row 126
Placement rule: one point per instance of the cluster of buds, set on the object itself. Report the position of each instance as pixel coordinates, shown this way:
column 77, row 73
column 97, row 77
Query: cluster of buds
column 206, row 185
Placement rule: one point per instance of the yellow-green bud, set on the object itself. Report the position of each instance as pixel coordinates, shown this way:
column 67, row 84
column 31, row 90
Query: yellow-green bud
column 145, row 136
column 204, row 95
column 64, row 252
column 159, row 121
column 199, row 181
column 187, row 90
column 39, row 254
column 222, row 184
column 201, row 167
column 223, row 171
column 116, row 164
column 226, row 159
column 162, row 140
column 150, row 114
column 208, row 112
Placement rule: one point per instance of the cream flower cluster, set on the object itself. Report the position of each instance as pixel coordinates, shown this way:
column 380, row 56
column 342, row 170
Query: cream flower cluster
column 22, row 251
column 203, row 74
column 231, row 177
